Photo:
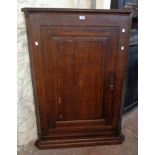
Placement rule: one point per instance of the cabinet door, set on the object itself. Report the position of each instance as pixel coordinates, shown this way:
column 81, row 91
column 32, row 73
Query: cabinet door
column 79, row 73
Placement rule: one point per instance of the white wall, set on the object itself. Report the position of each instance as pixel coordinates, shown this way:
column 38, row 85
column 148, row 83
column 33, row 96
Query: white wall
column 26, row 113
column 103, row 4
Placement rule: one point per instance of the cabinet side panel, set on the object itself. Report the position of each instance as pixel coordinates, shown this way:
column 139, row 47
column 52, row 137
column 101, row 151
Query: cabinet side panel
column 121, row 69
column 31, row 56
column 33, row 35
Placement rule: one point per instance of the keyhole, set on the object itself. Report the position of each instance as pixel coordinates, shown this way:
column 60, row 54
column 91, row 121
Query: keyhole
column 111, row 83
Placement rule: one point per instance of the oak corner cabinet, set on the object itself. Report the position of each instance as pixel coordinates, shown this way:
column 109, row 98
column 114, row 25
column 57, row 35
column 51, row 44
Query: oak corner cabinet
column 78, row 62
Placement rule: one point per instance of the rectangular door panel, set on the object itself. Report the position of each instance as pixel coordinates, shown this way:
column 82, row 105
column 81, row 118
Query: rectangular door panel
column 78, row 64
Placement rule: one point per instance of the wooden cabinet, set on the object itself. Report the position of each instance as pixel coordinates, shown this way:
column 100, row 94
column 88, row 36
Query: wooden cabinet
column 78, row 60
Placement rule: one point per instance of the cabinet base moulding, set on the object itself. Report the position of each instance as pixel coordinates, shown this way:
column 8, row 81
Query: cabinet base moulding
column 46, row 144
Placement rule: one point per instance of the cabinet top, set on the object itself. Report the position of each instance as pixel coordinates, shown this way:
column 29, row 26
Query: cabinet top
column 109, row 11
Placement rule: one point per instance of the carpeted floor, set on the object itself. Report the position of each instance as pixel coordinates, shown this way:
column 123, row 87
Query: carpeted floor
column 129, row 147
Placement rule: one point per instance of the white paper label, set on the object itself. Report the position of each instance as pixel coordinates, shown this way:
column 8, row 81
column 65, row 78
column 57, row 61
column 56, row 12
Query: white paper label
column 82, row 17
